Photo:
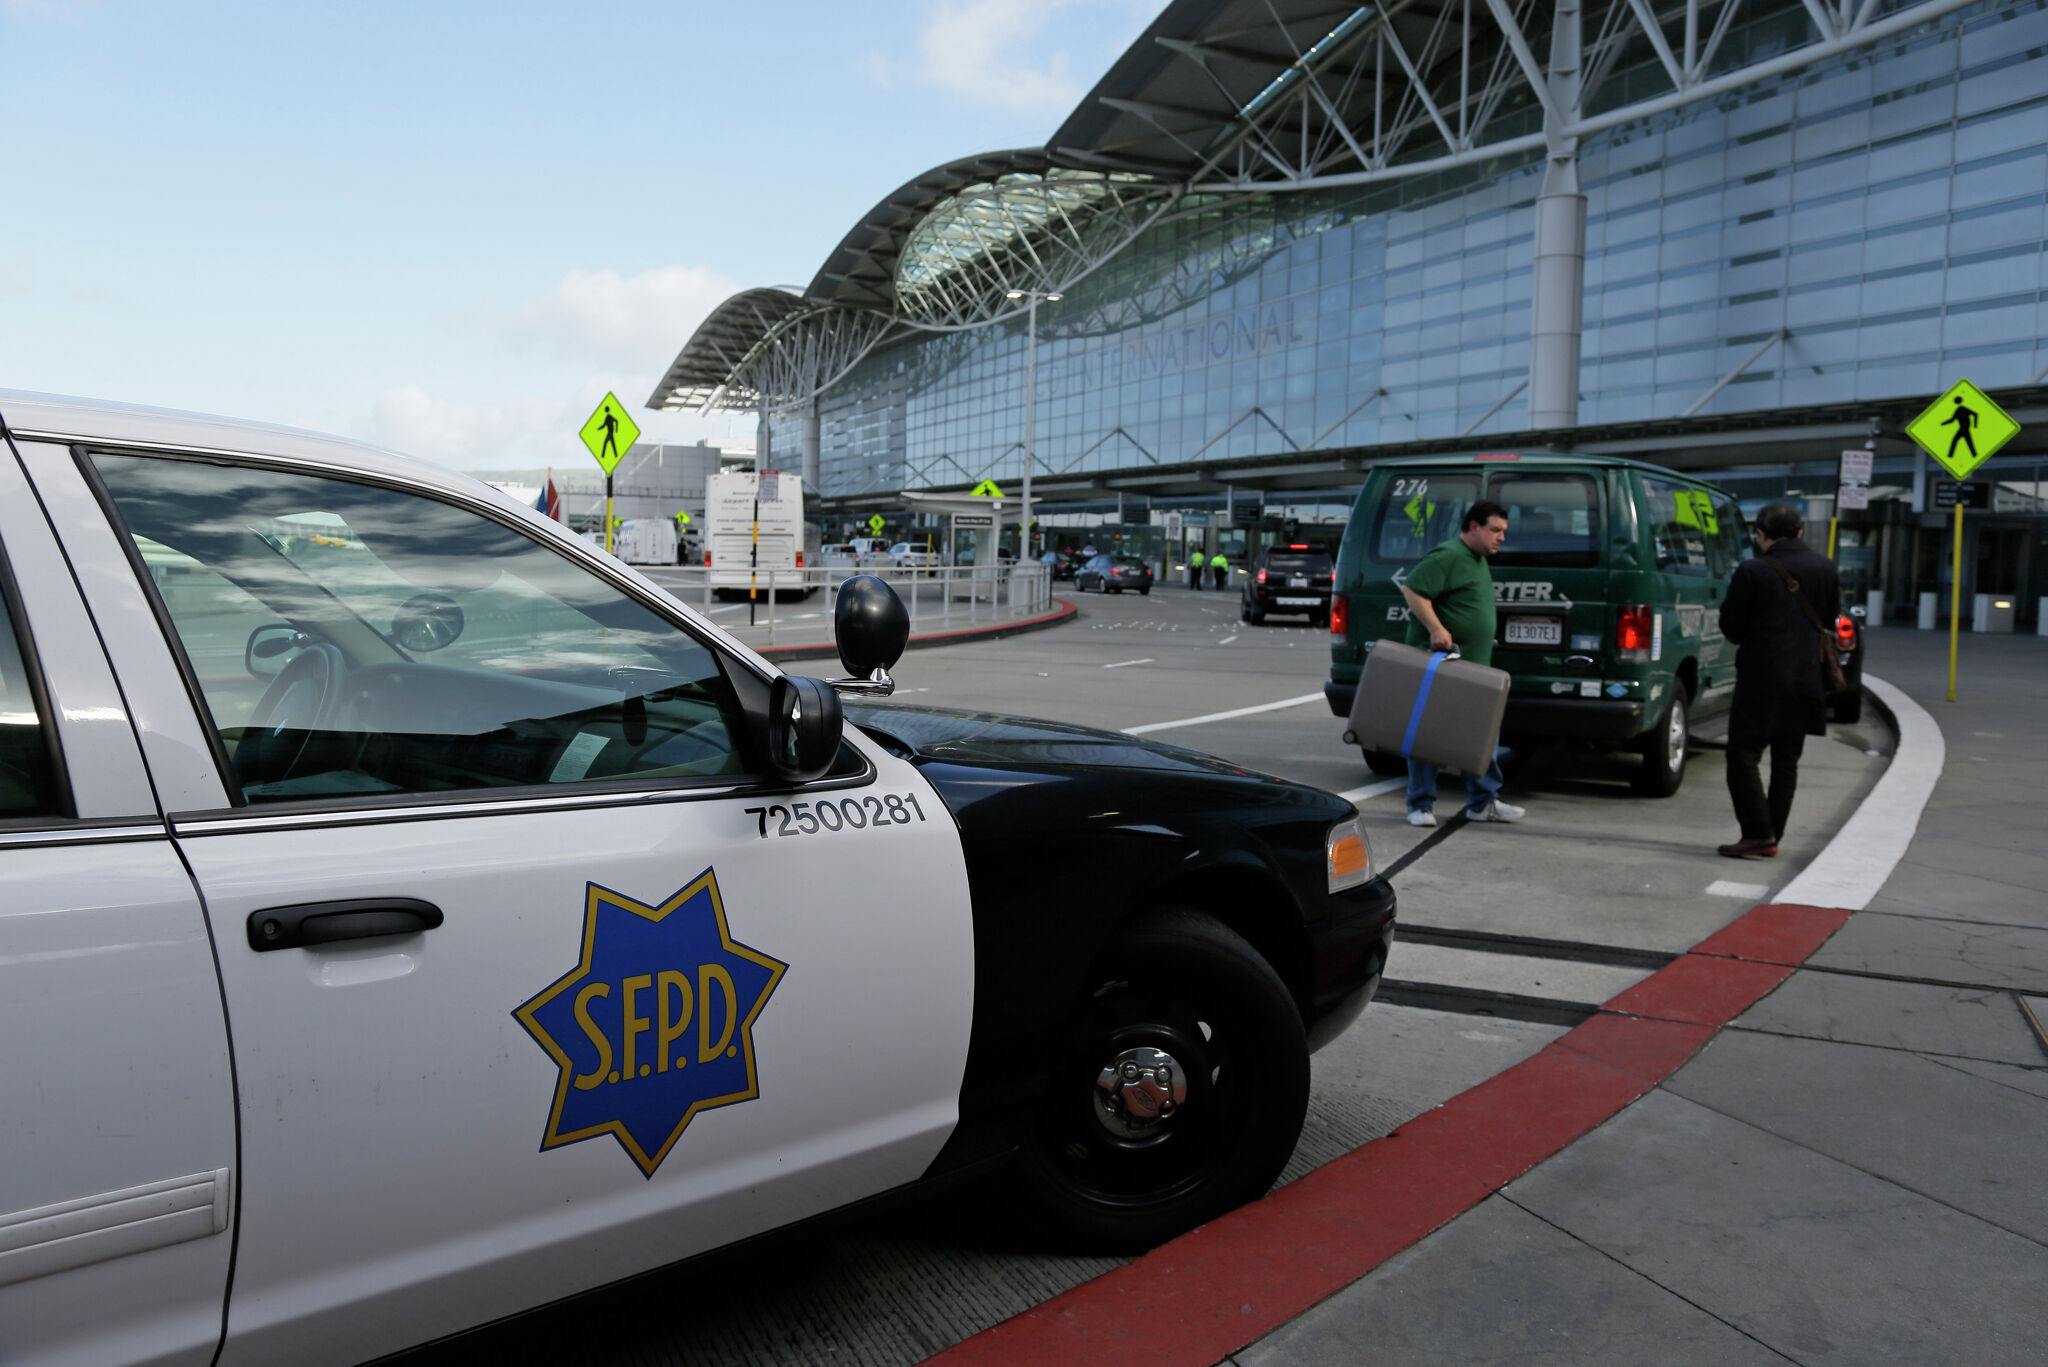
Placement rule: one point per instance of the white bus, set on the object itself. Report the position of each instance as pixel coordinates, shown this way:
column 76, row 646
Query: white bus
column 753, row 524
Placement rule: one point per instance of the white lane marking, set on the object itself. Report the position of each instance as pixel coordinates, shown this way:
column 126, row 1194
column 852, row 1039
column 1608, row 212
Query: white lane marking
column 1223, row 716
column 1228, row 639
column 1856, row 863
column 1371, row 790
column 1121, row 663
column 1748, row 892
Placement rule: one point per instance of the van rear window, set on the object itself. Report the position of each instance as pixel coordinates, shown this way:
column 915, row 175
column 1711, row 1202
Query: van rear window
column 1418, row 513
column 1553, row 519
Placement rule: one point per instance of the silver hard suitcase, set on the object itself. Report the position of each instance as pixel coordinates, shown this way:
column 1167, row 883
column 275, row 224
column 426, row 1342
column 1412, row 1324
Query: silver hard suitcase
column 1447, row 715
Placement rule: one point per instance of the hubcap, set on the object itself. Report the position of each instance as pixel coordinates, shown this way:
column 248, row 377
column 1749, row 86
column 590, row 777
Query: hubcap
column 1676, row 739
column 1139, row 1091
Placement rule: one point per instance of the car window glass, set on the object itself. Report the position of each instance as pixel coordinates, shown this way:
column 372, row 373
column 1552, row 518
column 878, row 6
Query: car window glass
column 1736, row 546
column 28, row 773
column 1298, row 562
column 1553, row 519
column 1682, row 521
column 1419, row 513
column 350, row 640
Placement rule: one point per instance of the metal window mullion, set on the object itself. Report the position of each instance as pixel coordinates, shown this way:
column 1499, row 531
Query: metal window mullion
column 1539, row 84
column 1823, row 19
column 1417, row 88
column 1713, row 47
column 1654, row 31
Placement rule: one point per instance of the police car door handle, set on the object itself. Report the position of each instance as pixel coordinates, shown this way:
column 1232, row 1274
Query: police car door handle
column 320, row 923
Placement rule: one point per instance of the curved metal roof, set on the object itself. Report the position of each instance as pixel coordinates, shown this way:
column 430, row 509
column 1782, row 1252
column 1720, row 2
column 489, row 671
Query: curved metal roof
column 861, row 270
column 1188, row 93
column 721, row 342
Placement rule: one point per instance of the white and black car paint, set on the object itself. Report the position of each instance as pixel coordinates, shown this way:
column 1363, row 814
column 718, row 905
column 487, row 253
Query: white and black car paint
column 413, row 916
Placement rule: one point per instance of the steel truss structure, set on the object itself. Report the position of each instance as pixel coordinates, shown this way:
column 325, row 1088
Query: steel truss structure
column 1224, row 99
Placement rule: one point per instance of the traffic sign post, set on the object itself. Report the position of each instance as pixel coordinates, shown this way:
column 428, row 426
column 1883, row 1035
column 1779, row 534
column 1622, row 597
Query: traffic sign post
column 1962, row 429
column 876, row 523
column 1852, row 489
column 609, row 434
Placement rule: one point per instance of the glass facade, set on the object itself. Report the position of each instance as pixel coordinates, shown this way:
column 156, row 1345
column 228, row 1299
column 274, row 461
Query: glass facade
column 1885, row 211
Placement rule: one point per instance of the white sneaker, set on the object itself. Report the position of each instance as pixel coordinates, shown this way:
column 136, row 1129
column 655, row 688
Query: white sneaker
column 1497, row 810
column 1418, row 817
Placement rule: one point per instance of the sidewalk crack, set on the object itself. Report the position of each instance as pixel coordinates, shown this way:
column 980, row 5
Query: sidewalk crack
column 1858, row 1167
column 1641, row 1275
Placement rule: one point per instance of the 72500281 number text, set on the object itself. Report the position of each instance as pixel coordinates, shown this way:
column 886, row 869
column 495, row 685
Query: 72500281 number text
column 846, row 813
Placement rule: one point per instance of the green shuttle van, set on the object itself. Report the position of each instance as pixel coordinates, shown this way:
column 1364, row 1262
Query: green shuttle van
column 1609, row 591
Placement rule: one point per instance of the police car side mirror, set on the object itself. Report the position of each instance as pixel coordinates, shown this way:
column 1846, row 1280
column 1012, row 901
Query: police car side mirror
column 804, row 728
column 871, row 627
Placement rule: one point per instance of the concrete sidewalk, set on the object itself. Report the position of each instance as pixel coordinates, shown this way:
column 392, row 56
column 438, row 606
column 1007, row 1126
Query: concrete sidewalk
column 1851, row 1172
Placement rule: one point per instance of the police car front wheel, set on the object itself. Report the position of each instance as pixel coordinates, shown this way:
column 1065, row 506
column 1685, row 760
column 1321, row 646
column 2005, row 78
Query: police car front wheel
column 1177, row 1094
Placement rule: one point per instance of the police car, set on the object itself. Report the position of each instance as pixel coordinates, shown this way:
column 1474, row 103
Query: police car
column 413, row 915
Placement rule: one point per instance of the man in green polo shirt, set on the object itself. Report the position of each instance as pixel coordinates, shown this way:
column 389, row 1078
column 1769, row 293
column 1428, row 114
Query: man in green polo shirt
column 1450, row 607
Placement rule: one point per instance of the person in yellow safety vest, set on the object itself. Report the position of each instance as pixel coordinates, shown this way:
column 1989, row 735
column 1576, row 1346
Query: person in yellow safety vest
column 1196, row 564
column 1220, row 568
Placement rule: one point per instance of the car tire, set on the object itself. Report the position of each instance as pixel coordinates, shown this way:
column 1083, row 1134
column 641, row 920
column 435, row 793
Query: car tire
column 1182, row 991
column 1144, row 593
column 1663, row 748
column 1384, row 764
column 1319, row 620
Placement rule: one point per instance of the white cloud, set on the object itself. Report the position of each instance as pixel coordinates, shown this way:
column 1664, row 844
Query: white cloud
column 977, row 49
column 625, row 320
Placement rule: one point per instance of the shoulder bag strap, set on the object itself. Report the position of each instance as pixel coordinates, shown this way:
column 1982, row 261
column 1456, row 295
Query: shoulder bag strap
column 1797, row 597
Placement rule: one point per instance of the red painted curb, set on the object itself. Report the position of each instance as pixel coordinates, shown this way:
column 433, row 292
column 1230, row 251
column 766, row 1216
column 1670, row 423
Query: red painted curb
column 1203, row 1296
column 818, row 650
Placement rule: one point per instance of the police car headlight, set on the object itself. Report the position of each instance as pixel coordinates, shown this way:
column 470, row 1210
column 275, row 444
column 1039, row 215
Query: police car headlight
column 1348, row 855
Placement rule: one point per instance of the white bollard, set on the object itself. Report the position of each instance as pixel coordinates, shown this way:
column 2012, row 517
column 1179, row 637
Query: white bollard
column 1980, row 612
column 1928, row 610
column 1873, row 608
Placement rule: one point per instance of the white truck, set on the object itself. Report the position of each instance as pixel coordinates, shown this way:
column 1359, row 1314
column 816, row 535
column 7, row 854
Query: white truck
column 754, row 523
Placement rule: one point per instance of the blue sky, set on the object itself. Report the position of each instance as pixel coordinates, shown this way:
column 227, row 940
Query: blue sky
column 450, row 228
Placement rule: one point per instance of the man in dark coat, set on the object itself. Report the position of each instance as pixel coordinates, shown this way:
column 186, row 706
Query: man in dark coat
column 1779, row 698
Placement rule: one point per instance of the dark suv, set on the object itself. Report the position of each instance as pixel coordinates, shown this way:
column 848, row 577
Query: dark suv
column 1289, row 578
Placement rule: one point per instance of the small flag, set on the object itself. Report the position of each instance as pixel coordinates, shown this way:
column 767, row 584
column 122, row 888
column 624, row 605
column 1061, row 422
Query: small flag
column 550, row 501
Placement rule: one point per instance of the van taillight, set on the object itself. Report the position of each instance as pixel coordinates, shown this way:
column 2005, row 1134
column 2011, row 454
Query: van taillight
column 1340, row 615
column 1262, row 576
column 1845, row 632
column 707, row 560
column 1632, row 636
column 799, row 559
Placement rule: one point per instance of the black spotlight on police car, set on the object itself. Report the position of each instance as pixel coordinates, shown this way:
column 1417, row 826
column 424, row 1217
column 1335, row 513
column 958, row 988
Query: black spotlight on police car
column 871, row 627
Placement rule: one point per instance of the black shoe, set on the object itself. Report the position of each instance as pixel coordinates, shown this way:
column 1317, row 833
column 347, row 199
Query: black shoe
column 1751, row 849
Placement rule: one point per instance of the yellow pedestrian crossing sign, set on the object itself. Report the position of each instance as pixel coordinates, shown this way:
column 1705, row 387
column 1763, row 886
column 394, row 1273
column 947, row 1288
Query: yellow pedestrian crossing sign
column 986, row 489
column 876, row 523
column 1963, row 428
column 609, row 433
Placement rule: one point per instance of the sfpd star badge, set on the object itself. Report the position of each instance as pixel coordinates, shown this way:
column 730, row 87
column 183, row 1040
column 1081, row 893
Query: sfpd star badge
column 654, row 1024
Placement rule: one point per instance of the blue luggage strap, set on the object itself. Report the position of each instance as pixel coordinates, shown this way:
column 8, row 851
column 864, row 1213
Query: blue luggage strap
column 1421, row 701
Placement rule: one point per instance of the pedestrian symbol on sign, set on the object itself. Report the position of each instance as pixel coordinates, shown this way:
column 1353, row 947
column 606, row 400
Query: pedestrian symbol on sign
column 1964, row 418
column 609, row 433
column 1963, row 428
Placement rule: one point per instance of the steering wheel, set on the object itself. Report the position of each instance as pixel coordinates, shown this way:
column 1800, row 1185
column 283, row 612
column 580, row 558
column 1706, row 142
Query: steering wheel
column 300, row 701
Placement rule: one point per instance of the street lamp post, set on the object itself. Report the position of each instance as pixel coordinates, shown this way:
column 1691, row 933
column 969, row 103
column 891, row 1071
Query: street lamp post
column 1030, row 402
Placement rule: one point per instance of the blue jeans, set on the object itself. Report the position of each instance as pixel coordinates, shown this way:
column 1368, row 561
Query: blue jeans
column 1480, row 789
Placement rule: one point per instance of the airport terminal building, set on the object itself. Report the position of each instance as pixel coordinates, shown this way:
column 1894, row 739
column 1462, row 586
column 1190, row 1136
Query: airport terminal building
column 1280, row 242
